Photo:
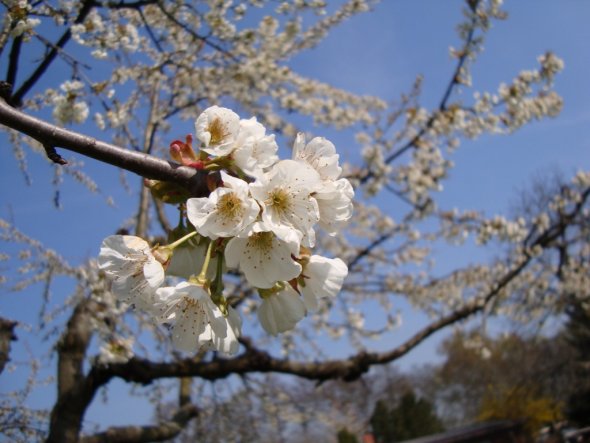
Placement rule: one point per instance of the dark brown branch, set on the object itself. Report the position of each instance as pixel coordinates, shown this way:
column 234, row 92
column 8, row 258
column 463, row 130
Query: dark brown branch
column 184, row 391
column 6, row 336
column 74, row 390
column 142, row 164
column 125, row 5
column 53, row 155
column 13, row 60
column 138, row 434
column 142, row 218
column 253, row 360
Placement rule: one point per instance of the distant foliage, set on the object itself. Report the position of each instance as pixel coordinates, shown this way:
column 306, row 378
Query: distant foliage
column 411, row 417
column 578, row 335
column 346, row 437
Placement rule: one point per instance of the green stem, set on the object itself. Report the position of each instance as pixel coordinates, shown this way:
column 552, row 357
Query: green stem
column 182, row 240
column 202, row 278
column 219, row 275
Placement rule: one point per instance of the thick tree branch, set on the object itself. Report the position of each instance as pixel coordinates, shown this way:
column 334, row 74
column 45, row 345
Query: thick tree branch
column 6, row 336
column 125, row 5
column 142, row 164
column 13, row 60
column 253, row 360
column 138, row 434
column 74, row 393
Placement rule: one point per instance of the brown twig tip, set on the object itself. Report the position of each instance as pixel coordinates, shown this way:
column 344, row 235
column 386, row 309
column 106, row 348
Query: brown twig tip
column 5, row 91
column 54, row 156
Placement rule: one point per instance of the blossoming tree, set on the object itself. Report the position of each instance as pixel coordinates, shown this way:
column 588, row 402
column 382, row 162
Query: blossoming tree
column 266, row 237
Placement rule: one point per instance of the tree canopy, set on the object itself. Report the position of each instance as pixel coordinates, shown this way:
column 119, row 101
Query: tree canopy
column 256, row 247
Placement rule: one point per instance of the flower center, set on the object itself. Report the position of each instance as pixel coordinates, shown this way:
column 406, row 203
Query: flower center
column 229, row 206
column 261, row 241
column 280, row 200
column 218, row 131
column 189, row 303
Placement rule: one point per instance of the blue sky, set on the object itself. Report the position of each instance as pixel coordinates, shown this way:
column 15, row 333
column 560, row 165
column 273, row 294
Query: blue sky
column 377, row 53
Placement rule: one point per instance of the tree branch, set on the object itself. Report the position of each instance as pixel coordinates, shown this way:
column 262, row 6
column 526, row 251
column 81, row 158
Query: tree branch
column 254, row 360
column 138, row 434
column 142, row 164
column 6, row 336
column 74, row 393
column 13, row 59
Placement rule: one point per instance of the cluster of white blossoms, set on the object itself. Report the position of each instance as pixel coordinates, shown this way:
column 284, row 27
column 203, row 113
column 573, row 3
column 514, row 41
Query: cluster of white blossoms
column 18, row 11
column 98, row 33
column 68, row 107
column 260, row 219
column 514, row 231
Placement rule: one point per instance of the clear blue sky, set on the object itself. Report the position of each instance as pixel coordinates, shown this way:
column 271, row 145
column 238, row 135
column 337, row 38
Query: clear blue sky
column 377, row 53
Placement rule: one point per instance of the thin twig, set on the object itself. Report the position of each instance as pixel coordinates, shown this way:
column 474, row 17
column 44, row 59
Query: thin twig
column 53, row 155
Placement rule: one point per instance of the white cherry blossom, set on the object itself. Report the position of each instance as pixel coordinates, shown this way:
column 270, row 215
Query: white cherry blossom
column 335, row 205
column 262, row 256
column 255, row 150
column 135, row 272
column 118, row 350
column 217, row 128
column 68, row 108
column 229, row 344
column 226, row 212
column 196, row 321
column 320, row 154
column 321, row 277
column 280, row 311
column 284, row 193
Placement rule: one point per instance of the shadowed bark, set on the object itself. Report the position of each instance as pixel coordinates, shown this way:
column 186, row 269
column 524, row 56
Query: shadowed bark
column 6, row 336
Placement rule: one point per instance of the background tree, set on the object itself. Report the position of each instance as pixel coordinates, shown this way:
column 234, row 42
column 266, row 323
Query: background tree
column 346, row 437
column 508, row 377
column 411, row 417
column 521, row 404
column 382, row 425
column 144, row 71
column 414, row 417
column 577, row 333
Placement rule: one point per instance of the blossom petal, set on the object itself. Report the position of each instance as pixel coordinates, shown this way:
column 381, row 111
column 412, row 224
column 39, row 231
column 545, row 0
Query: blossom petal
column 281, row 311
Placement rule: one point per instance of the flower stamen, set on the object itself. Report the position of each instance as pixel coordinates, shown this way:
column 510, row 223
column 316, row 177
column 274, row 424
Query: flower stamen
column 280, row 200
column 262, row 241
column 229, row 206
column 218, row 131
